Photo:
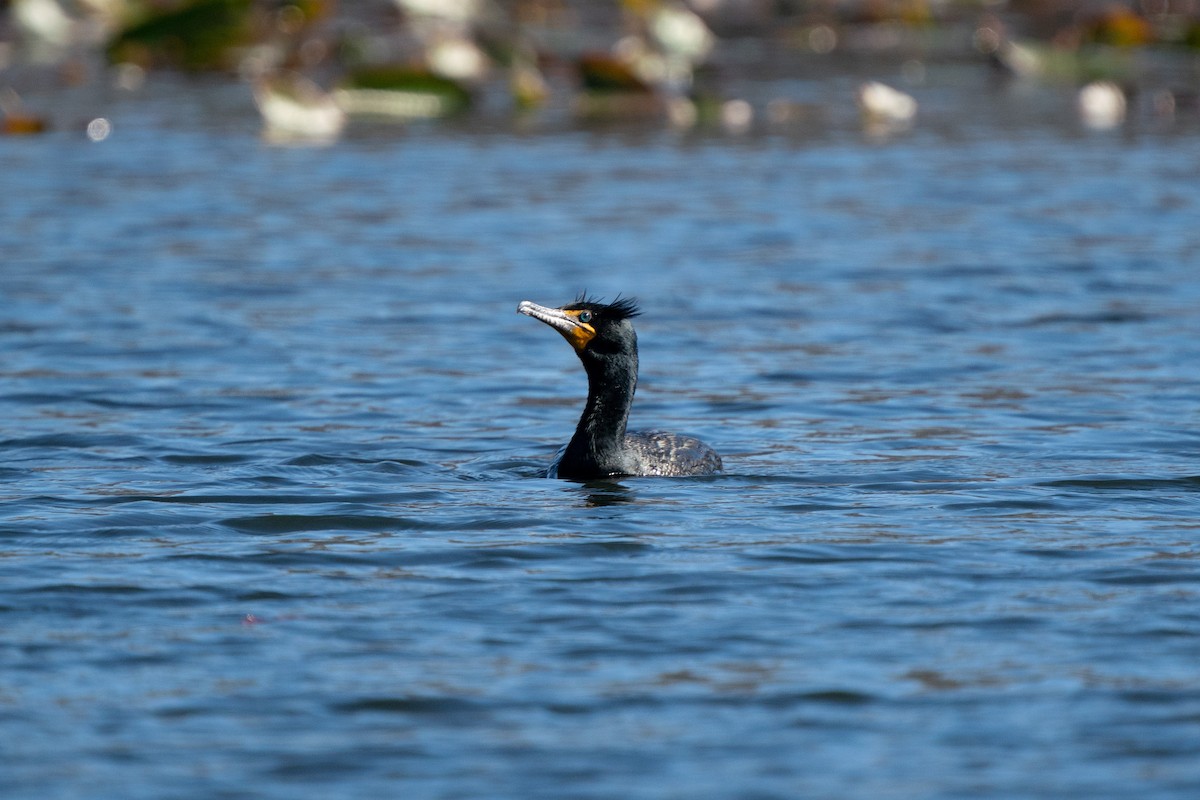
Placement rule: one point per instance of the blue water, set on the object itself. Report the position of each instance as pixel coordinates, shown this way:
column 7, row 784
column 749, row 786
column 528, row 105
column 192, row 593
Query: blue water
column 272, row 520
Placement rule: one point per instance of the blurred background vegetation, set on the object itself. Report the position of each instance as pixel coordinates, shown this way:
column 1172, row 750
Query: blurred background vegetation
column 311, row 65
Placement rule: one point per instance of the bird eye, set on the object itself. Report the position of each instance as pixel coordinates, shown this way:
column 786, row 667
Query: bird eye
column 585, row 316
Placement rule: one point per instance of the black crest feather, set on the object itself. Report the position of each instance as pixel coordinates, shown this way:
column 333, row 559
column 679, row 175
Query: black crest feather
column 623, row 308
column 620, row 308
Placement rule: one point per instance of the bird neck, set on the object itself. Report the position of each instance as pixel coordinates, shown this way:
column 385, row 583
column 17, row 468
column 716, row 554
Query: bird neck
column 599, row 441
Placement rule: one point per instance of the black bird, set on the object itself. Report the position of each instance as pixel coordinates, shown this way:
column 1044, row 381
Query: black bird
column 605, row 342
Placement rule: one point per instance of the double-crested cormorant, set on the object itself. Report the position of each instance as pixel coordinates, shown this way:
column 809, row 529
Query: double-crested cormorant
column 603, row 338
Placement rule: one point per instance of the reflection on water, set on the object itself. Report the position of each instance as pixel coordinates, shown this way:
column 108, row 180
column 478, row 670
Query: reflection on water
column 608, row 493
column 272, row 505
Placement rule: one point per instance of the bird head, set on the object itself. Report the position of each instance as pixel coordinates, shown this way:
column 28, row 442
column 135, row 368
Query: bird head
column 595, row 329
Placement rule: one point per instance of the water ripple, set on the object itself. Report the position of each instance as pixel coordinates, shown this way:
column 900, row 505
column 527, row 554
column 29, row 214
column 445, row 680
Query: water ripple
column 273, row 513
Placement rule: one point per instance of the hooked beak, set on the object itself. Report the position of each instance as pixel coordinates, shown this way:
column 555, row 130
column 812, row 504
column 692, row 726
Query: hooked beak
column 568, row 324
column 554, row 317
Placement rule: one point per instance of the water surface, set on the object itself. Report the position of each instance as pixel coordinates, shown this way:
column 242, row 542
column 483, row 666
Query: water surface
column 273, row 515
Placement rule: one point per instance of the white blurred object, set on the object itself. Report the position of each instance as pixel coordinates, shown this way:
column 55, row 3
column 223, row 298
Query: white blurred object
column 736, row 116
column 295, row 108
column 1101, row 105
column 883, row 103
column 394, row 104
column 1016, row 58
column 99, row 129
column 129, row 77
column 460, row 11
column 822, row 39
column 681, row 33
column 681, row 42
column 457, row 58
column 1021, row 60
column 649, row 65
column 44, row 21
column 682, row 112
column 674, row 41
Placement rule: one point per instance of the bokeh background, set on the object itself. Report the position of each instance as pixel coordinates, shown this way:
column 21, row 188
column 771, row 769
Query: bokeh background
column 316, row 69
